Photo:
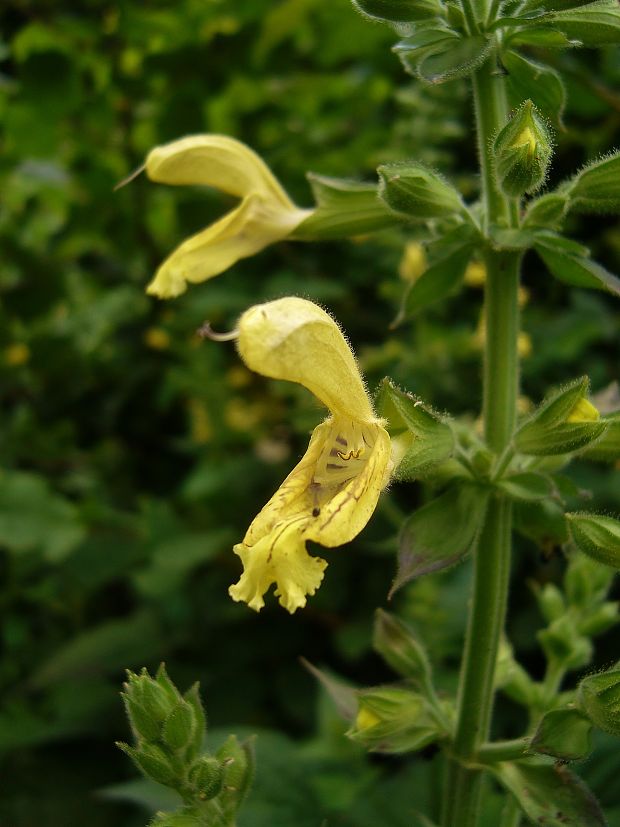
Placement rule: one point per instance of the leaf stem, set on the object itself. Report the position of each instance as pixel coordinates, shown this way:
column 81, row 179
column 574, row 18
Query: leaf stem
column 462, row 796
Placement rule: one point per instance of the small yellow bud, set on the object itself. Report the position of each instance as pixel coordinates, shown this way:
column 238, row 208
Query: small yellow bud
column 523, row 296
column 16, row 354
column 238, row 377
column 199, row 422
column 366, row 719
column 475, row 274
column 241, row 415
column 583, row 411
column 413, row 262
column 157, row 338
column 524, row 345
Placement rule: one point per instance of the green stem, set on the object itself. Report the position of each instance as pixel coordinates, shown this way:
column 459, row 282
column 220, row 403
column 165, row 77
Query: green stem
column 503, row 750
column 511, row 814
column 492, row 558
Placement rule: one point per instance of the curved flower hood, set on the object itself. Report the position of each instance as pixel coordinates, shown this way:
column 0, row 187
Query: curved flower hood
column 331, row 494
column 264, row 215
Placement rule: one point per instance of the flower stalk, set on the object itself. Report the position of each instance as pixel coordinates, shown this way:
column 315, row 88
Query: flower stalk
column 492, row 557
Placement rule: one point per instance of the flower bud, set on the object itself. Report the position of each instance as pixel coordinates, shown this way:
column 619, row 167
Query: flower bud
column 153, row 762
column 179, row 726
column 551, row 602
column 396, row 643
column 143, row 724
column 237, row 762
column 597, row 536
column 413, row 189
column 599, row 696
column 562, row 643
column 393, row 719
column 207, row 777
column 155, row 699
column 523, row 151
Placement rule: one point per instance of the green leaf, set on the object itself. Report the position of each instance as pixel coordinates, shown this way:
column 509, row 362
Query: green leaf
column 546, row 211
column 110, row 646
column 450, row 60
column 448, row 260
column 551, row 796
column 399, row 11
column 541, row 84
column 426, row 546
column 33, row 517
column 344, row 208
column 527, row 485
column 425, row 39
column 563, row 734
column 597, row 187
column 596, row 536
column 536, row 35
column 426, row 439
column 593, row 25
column 567, row 265
column 542, row 522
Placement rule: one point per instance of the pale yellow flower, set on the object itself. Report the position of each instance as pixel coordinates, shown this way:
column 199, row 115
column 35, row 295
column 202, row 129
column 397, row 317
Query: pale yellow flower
column 264, row 215
column 331, row 494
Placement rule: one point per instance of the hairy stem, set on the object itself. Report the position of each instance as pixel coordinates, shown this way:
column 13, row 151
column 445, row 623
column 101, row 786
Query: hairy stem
column 492, row 558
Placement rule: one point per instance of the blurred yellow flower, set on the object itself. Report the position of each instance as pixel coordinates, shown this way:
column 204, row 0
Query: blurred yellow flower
column 264, row 215
column 524, row 344
column 331, row 494
column 16, row 354
column 157, row 338
column 475, row 274
column 413, row 263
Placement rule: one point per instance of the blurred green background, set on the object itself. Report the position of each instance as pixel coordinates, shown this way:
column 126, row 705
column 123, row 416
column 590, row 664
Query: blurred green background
column 133, row 455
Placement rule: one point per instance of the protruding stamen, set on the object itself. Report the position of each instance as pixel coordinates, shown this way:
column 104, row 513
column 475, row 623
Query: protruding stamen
column 130, row 177
column 205, row 331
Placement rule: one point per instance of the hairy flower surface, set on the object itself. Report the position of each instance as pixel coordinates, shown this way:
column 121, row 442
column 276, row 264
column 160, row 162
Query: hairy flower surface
column 264, row 215
column 331, row 494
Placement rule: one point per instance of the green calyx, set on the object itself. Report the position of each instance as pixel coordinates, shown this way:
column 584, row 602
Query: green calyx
column 523, row 150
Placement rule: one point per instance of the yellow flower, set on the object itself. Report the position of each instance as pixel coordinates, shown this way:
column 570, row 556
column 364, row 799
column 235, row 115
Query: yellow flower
column 331, row 494
column 265, row 213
